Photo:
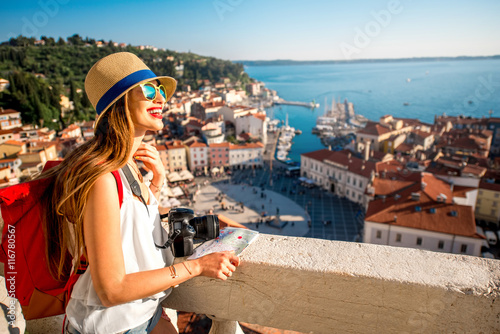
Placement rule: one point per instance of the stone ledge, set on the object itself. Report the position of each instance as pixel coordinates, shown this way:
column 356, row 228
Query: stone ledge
column 320, row 286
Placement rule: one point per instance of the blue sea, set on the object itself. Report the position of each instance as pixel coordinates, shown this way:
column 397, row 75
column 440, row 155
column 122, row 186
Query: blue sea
column 455, row 87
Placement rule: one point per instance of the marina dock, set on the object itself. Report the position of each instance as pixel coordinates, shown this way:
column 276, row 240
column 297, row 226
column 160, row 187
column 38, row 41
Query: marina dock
column 300, row 104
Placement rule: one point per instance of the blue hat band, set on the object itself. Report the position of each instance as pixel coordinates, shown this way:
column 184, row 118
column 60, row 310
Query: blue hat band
column 122, row 86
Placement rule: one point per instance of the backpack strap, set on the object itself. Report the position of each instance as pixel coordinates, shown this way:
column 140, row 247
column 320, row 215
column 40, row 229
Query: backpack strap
column 119, row 185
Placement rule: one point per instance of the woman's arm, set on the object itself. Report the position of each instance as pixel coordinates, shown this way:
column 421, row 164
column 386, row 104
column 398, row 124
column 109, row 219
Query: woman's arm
column 107, row 266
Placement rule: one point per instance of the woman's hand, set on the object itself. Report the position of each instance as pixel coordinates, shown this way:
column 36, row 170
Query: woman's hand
column 149, row 155
column 217, row 265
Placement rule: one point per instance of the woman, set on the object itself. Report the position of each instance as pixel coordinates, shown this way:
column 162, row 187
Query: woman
column 127, row 276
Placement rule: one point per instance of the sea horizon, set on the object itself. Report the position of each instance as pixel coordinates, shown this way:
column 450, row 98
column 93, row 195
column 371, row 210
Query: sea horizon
column 418, row 89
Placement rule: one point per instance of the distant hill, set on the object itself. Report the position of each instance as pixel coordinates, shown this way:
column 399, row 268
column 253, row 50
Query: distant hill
column 288, row 62
column 41, row 70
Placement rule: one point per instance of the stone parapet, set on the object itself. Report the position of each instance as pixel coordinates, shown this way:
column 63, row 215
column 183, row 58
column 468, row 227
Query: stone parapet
column 320, row 286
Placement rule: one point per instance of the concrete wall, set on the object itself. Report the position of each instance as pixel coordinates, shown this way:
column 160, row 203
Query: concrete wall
column 319, row 286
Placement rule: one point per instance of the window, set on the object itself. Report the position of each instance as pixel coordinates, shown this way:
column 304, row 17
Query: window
column 359, row 197
column 354, row 182
column 495, row 203
column 419, row 241
column 463, row 248
column 379, row 234
column 441, row 244
column 497, row 195
column 348, row 179
column 493, row 212
column 347, row 192
column 398, row 237
column 478, row 201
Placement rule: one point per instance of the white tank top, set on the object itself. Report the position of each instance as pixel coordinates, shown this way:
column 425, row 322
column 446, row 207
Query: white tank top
column 140, row 231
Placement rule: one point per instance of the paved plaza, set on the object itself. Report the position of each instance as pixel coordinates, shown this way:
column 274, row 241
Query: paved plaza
column 308, row 212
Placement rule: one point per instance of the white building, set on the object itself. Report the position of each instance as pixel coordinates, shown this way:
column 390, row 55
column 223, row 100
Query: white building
column 338, row 172
column 232, row 97
column 255, row 124
column 249, row 155
column 423, row 216
column 230, row 113
column 10, row 119
column 177, row 160
column 213, row 132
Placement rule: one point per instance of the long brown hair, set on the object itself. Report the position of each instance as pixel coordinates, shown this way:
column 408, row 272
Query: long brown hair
column 66, row 198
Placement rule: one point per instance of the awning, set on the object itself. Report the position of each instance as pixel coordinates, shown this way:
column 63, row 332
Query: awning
column 177, row 191
column 186, row 175
column 174, row 177
column 215, row 170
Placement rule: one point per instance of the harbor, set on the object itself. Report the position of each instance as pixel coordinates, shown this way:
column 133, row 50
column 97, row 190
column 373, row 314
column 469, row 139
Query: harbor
column 337, row 127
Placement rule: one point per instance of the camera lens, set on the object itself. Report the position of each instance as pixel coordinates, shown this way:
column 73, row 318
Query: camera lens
column 206, row 227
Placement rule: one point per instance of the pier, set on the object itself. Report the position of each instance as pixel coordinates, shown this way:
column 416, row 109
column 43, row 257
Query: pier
column 311, row 105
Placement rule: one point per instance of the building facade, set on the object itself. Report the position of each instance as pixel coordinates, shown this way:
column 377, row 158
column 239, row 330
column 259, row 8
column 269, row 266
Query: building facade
column 249, row 155
column 177, row 160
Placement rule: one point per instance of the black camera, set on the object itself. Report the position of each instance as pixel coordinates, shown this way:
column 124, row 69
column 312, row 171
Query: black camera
column 184, row 227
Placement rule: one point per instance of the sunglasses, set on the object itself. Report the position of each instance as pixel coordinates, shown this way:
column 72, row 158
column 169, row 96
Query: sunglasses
column 149, row 90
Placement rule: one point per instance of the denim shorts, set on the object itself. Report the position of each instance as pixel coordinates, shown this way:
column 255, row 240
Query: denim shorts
column 145, row 328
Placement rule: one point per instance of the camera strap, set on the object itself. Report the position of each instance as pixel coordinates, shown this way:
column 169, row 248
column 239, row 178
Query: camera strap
column 134, row 185
column 136, row 190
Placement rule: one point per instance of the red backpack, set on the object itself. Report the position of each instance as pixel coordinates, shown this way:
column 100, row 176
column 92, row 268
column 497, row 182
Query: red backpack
column 22, row 250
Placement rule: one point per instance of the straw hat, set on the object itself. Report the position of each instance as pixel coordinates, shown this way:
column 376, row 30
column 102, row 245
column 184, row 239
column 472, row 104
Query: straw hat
column 114, row 75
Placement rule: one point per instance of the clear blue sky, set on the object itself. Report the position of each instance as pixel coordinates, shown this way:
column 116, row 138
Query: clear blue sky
column 271, row 29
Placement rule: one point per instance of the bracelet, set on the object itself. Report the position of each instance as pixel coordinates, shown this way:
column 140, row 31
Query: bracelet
column 189, row 271
column 154, row 184
column 173, row 272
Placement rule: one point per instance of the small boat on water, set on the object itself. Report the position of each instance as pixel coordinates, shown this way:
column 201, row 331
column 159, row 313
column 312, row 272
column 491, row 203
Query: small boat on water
column 406, row 104
column 298, row 132
column 281, row 155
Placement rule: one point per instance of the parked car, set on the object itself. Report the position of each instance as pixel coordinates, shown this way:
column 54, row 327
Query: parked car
column 491, row 237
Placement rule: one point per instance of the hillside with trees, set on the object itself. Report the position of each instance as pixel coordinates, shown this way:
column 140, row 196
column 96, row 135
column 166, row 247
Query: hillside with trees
column 41, row 71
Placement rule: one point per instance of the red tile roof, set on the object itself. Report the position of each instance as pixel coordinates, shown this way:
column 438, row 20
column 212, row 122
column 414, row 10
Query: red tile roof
column 174, row 145
column 246, row 146
column 374, row 129
column 225, row 144
column 461, row 191
column 260, row 116
column 388, row 186
column 9, row 111
column 417, row 214
column 195, row 143
column 14, row 142
column 489, row 186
